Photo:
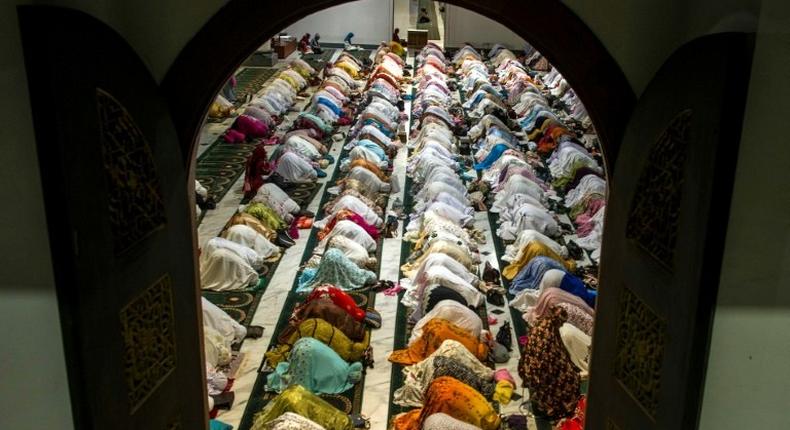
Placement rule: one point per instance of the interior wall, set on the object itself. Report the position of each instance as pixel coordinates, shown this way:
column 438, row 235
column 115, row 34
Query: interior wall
column 369, row 20
column 463, row 25
column 641, row 34
column 747, row 380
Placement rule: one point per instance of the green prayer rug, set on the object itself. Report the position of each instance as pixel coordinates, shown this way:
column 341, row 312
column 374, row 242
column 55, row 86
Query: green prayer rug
column 219, row 166
column 251, row 80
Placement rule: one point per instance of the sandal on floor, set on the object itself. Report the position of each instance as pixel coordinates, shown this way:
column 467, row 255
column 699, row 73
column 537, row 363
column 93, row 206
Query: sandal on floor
column 254, row 332
column 283, row 240
column 360, row 421
column 373, row 318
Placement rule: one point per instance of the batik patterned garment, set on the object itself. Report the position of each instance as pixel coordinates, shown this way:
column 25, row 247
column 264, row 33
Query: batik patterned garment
column 316, row 367
column 445, row 366
column 450, row 396
column 418, row 377
column 547, row 370
column 578, row 318
column 338, row 270
column 317, row 412
column 325, row 309
column 319, row 329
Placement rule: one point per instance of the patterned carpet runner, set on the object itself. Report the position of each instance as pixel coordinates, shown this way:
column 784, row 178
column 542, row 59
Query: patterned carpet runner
column 251, row 80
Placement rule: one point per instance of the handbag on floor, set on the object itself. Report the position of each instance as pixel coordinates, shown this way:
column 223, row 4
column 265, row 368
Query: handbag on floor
column 504, row 336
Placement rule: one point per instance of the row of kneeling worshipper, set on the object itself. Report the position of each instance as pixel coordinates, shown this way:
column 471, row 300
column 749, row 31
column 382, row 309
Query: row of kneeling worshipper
column 256, row 234
column 449, row 378
column 325, row 346
column 549, row 192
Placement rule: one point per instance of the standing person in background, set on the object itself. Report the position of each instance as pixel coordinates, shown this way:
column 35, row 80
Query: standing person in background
column 314, row 45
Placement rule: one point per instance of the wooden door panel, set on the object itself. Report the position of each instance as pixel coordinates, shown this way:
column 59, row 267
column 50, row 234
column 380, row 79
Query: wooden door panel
column 665, row 225
column 119, row 224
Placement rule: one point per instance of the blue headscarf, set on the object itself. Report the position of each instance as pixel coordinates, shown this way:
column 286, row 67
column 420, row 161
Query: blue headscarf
column 576, row 287
column 336, row 269
column 530, row 275
column 315, row 366
column 331, row 105
column 373, row 147
column 492, row 156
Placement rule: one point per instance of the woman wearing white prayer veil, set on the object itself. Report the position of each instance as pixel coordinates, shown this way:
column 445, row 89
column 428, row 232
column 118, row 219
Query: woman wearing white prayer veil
column 578, row 345
column 369, row 179
column 354, row 204
column 435, row 277
column 446, row 175
column 444, row 260
column 302, row 146
column 450, row 213
column 518, row 185
column 220, row 321
column 510, row 157
column 448, row 199
column 362, row 153
column 277, row 199
column 353, row 231
column 353, row 251
column 454, row 312
column 527, row 216
column 432, row 189
column 224, row 270
column 296, row 169
column 248, row 254
column 247, row 236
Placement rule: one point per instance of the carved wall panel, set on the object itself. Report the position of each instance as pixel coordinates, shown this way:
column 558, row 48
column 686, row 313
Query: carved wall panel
column 640, row 350
column 655, row 209
column 135, row 201
column 148, row 331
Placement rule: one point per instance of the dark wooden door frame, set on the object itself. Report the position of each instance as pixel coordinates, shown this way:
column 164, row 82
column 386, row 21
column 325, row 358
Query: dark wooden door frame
column 241, row 26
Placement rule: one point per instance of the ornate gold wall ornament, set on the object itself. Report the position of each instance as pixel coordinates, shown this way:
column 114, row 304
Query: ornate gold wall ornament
column 655, row 209
column 149, row 348
column 640, row 350
column 135, row 202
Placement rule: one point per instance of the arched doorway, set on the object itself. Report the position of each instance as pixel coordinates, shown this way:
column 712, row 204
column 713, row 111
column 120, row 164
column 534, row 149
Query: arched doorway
column 189, row 88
